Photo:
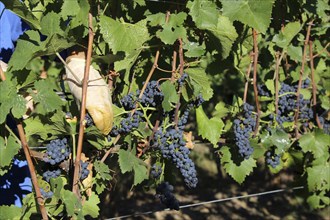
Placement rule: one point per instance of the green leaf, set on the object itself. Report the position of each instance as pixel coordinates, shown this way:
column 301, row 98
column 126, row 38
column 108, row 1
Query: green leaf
column 318, row 177
column 170, row 95
column 193, row 49
column 90, row 206
column 226, row 33
column 284, row 38
column 9, row 147
column 237, row 172
column 200, row 82
column 10, row 212
column 27, row 47
column 48, row 100
column 121, row 36
column 316, row 142
column 295, row 53
column 72, row 204
column 169, row 34
column 69, row 8
column 204, row 13
column 44, row 126
column 50, row 24
column 317, row 201
column 209, row 129
column 270, row 86
column 80, row 18
column 10, row 101
column 221, row 110
column 19, row 8
column 103, row 170
column 253, row 13
column 173, row 29
column 129, row 162
column 207, row 17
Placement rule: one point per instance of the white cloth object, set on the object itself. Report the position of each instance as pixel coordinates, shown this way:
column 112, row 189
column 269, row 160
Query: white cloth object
column 98, row 98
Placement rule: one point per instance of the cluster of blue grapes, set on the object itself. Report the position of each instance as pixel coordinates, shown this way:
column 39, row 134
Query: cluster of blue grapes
column 288, row 103
column 182, row 79
column 164, row 193
column 84, row 172
column 152, row 96
column 127, row 124
column 272, row 160
column 173, row 147
column 156, row 171
column 128, row 101
column 184, row 117
column 51, row 174
column 243, row 129
column 57, row 151
column 45, row 194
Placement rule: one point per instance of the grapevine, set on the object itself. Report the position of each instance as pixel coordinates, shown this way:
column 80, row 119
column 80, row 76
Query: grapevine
column 99, row 94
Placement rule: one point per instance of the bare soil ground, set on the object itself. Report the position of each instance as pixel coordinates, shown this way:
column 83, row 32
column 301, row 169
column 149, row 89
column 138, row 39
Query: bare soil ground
column 288, row 205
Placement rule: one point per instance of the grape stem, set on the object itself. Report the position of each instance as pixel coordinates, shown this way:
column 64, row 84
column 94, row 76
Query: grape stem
column 178, row 104
column 32, row 171
column 277, row 69
column 247, row 79
column 75, row 185
column 313, row 83
column 296, row 115
column 255, row 65
column 26, row 150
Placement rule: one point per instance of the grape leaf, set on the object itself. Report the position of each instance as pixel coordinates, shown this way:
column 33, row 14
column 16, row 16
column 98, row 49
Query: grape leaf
column 69, row 8
column 121, row 36
column 209, row 129
column 129, row 162
column 170, row 95
column 27, row 46
column 318, row 177
column 72, row 204
column 10, row 101
column 225, row 32
column 44, row 126
column 90, row 206
column 204, row 13
column 318, row 200
column 284, row 38
column 19, row 8
column 48, row 100
column 207, row 17
column 10, row 212
column 316, row 142
column 80, row 18
column 254, row 13
column 103, row 170
column 173, row 29
column 193, row 49
column 220, row 110
column 9, row 147
column 200, row 81
column 237, row 172
column 50, row 24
